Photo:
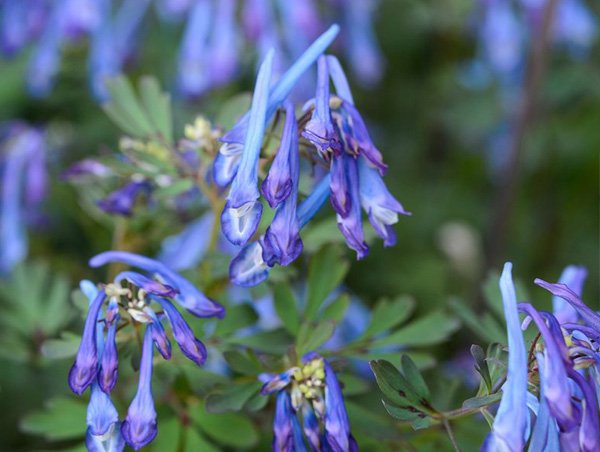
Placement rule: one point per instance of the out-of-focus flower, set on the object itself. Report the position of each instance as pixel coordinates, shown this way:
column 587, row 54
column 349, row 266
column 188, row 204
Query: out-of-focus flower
column 121, row 201
column 24, row 185
column 313, row 391
column 211, row 51
column 96, row 362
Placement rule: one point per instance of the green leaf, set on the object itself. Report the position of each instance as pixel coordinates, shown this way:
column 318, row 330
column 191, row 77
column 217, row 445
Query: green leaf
column 353, row 385
column 178, row 187
column 195, row 442
column 421, row 423
column 275, row 341
column 237, row 317
column 430, row 329
column 414, row 377
column 242, row 362
column 311, row 336
column 169, row 436
column 392, row 383
column 232, row 397
column 388, row 314
column 63, row 418
column 256, row 403
column 129, row 111
column 325, row 273
column 158, row 106
column 286, row 307
column 402, row 414
column 229, row 429
column 481, row 365
column 336, row 310
column 478, row 402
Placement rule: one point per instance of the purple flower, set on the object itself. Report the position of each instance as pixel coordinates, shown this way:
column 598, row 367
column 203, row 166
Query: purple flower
column 228, row 159
column 85, row 368
column 351, row 224
column 193, row 76
column 285, row 425
column 572, row 277
column 139, row 427
column 80, row 17
column 510, row 424
column 183, row 334
column 590, row 317
column 363, row 52
column 242, row 211
column 109, row 364
column 223, row 47
column 112, row 441
column 189, row 297
column 379, row 204
column 589, row 430
column 86, row 167
column 249, row 268
column 277, row 186
column 281, row 243
column 121, row 201
column 23, row 182
column 319, row 130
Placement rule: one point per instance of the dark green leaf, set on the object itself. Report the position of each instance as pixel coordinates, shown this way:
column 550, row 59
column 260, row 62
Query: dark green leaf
column 232, row 397
column 414, row 377
column 242, row 362
column 421, row 423
column 392, row 383
column 481, row 365
column 286, row 308
column 195, row 442
column 402, row 414
column 256, row 403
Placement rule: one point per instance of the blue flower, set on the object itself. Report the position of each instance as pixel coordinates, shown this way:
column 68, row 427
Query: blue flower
column 85, row 368
column 193, row 76
column 242, row 211
column 313, row 390
column 109, row 364
column 189, row 297
column 510, row 424
column 24, row 184
column 249, row 268
column 281, row 243
column 572, row 277
column 224, row 45
column 379, row 204
column 139, row 427
column 121, row 201
column 228, row 159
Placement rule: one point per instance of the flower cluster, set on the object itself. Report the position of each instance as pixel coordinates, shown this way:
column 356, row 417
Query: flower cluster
column 311, row 391
column 24, row 185
column 563, row 363
column 340, row 144
column 136, row 296
column 211, row 49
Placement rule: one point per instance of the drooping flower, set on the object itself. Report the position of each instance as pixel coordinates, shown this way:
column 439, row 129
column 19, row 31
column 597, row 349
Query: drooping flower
column 242, row 211
column 311, row 389
column 139, row 427
column 138, row 296
column 121, row 201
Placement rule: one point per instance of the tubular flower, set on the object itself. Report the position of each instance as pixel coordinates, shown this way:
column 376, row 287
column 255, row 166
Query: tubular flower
column 242, row 211
column 132, row 297
column 565, row 368
column 342, row 145
column 311, row 389
column 211, row 51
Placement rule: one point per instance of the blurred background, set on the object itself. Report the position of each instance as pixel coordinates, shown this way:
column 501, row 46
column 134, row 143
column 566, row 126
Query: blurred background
column 490, row 126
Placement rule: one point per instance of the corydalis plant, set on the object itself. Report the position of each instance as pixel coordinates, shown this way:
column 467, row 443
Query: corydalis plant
column 310, row 391
column 341, row 145
column 135, row 299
